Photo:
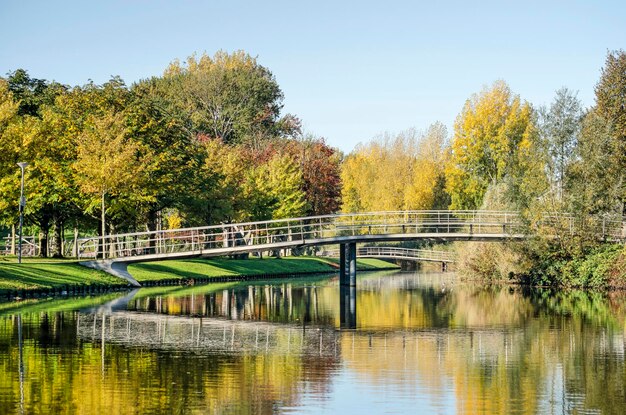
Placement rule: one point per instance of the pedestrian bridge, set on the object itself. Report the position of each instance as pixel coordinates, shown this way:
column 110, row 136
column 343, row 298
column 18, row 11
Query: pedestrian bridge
column 112, row 252
column 391, row 252
column 235, row 238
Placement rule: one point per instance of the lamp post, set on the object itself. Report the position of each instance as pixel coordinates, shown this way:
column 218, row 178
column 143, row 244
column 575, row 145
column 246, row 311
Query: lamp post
column 22, row 206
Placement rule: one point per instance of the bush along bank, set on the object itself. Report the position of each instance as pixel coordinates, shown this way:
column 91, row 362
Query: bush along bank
column 601, row 267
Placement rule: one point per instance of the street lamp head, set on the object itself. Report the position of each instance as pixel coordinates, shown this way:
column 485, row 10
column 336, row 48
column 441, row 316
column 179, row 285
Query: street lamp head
column 22, row 164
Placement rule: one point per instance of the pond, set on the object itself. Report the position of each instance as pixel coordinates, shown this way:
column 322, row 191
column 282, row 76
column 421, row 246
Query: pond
column 403, row 343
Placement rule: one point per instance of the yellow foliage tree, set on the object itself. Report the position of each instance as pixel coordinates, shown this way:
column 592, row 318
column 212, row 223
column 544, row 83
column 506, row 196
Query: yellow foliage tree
column 108, row 162
column 494, row 137
column 395, row 173
column 424, row 189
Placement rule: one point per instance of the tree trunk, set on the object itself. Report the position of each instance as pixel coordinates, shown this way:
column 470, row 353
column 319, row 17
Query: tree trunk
column 57, row 239
column 103, row 222
column 43, row 240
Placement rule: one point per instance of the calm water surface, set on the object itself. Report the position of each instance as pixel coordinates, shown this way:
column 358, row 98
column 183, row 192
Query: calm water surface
column 423, row 343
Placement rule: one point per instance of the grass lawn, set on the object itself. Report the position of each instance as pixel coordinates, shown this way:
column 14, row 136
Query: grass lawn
column 38, row 273
column 207, row 268
column 33, row 274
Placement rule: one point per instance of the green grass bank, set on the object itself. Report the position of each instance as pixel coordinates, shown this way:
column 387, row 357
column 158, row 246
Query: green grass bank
column 206, row 269
column 40, row 274
column 48, row 277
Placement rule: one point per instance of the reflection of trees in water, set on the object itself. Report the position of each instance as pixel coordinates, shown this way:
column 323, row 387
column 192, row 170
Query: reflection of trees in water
column 502, row 350
column 498, row 349
column 275, row 303
column 141, row 380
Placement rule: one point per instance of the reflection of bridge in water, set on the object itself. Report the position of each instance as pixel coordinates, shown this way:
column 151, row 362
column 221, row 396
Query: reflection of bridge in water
column 158, row 331
column 202, row 335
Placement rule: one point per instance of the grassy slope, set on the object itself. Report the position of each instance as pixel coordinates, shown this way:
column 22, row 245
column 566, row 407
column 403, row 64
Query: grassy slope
column 35, row 273
column 207, row 268
column 45, row 275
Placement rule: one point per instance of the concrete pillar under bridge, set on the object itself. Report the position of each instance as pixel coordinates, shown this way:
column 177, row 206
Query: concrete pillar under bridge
column 347, row 285
column 347, row 264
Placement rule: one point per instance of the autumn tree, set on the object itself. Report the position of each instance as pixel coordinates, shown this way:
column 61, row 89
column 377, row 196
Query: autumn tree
column 375, row 175
column 427, row 187
column 495, row 138
column 45, row 154
column 107, row 162
column 11, row 139
column 321, row 173
column 402, row 172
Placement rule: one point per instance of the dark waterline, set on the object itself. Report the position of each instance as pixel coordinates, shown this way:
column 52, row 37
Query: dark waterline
column 423, row 343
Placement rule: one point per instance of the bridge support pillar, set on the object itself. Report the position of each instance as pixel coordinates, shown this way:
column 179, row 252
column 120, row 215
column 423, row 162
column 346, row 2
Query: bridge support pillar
column 347, row 307
column 347, row 264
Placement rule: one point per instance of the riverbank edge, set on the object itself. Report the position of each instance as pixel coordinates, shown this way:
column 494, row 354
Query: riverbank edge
column 600, row 268
column 84, row 289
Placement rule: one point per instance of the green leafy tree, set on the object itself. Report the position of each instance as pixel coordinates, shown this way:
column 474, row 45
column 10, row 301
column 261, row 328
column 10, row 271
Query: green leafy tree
column 599, row 175
column 560, row 126
column 227, row 96
column 173, row 170
column 286, row 184
column 611, row 106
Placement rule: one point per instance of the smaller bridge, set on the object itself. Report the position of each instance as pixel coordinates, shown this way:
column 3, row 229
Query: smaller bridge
column 390, row 252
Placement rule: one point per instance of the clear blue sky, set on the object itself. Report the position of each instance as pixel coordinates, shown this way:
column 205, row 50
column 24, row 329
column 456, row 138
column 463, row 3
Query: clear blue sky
column 349, row 70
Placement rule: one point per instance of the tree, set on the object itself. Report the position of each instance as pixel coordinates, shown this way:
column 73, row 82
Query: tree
column 494, row 136
column 10, row 142
column 43, row 152
column 396, row 173
column 321, row 173
column 32, row 93
column 611, row 106
column 107, row 162
column 427, row 188
column 227, row 96
column 559, row 126
column 599, row 175
column 286, row 184
column 172, row 174
column 596, row 177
